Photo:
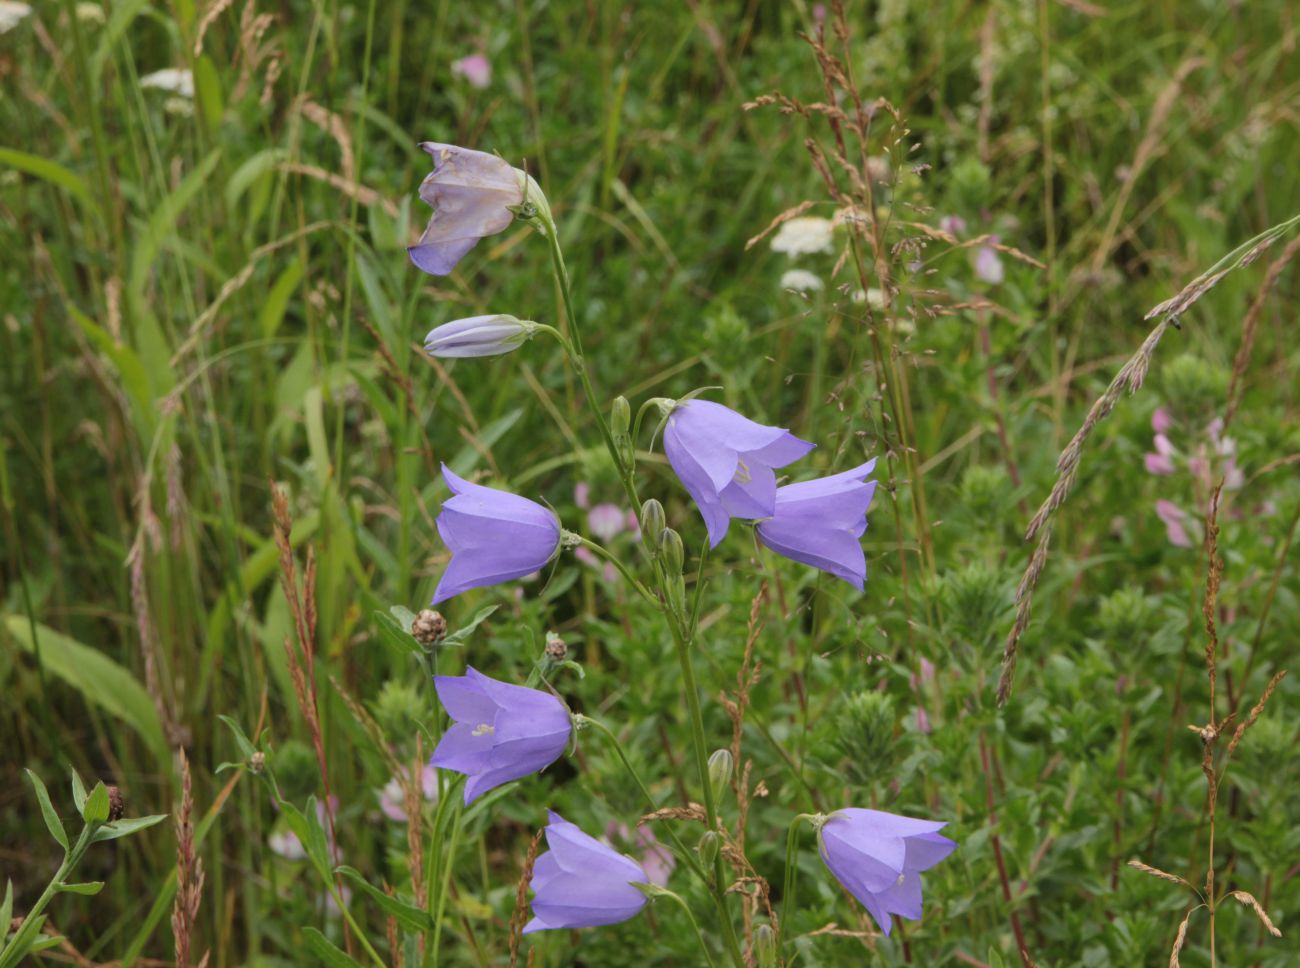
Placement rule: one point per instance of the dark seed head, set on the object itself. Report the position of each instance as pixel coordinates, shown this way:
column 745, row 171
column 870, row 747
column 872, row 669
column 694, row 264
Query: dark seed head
column 429, row 627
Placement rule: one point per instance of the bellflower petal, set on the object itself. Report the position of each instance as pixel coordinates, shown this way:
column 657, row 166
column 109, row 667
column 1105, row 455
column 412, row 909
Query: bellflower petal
column 879, row 858
column 471, row 193
column 820, row 522
column 726, row 461
column 581, row 883
column 501, row 732
column 494, row 536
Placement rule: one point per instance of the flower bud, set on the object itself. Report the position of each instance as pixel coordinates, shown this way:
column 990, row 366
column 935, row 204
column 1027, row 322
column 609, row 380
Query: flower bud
column 719, row 771
column 478, row 336
column 653, row 522
column 764, row 946
column 556, row 648
column 670, row 547
column 116, row 803
column 620, row 417
column 707, row 848
column 429, row 627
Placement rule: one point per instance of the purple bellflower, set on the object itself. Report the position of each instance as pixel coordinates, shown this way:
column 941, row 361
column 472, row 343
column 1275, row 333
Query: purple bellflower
column 494, row 536
column 726, row 462
column 879, row 858
column 472, row 194
column 490, row 335
column 501, row 732
column 581, row 883
column 821, row 523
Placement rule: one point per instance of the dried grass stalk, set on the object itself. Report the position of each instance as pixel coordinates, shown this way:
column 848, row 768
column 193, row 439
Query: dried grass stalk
column 1249, row 901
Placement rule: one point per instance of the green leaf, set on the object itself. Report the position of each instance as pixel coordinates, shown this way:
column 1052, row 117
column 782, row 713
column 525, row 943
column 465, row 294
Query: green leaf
column 96, row 808
column 404, row 616
column 49, row 171
column 97, row 677
column 52, row 821
column 246, row 748
column 6, row 911
column 20, row 945
column 309, row 832
column 408, row 915
column 89, row 887
column 78, row 791
column 124, row 828
column 271, row 313
column 44, row 944
column 461, row 634
column 163, row 222
column 468, row 457
column 326, row 951
column 250, row 171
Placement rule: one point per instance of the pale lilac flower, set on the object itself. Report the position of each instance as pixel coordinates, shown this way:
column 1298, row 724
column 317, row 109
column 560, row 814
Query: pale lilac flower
column 988, row 265
column 392, row 799
column 589, row 557
column 490, row 335
column 1174, row 517
column 606, row 521
column 502, row 732
column 581, row 883
column 475, row 68
column 821, row 523
column 879, row 858
column 1161, row 422
column 494, row 536
column 656, row 860
column 1162, row 461
column 472, row 194
column 726, row 462
column 952, row 224
column 582, row 494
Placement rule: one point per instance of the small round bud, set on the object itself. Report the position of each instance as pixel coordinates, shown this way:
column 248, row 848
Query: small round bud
column 707, row 848
column 670, row 547
column 257, row 762
column 556, row 648
column 620, row 417
column 652, row 523
column 719, row 771
column 429, row 627
column 116, row 804
column 764, row 946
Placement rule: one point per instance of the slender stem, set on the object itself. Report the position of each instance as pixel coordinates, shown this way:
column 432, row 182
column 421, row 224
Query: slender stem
column 622, row 569
column 791, row 869
column 704, row 946
column 70, row 860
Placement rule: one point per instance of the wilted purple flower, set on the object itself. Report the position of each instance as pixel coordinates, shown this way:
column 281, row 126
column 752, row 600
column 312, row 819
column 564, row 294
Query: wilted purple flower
column 879, row 857
column 1173, row 516
column 471, row 193
column 821, row 522
column 501, row 731
column 581, row 883
column 475, row 68
column 479, row 336
column 494, row 536
column 988, row 265
column 726, row 461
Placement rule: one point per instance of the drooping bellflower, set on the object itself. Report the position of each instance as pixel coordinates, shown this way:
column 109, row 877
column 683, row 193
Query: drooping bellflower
column 472, row 194
column 581, row 883
column 821, row 523
column 494, row 536
column 879, row 858
column 726, row 462
column 501, row 732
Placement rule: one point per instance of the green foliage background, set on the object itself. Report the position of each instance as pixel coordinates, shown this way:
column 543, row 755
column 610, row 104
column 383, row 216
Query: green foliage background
column 195, row 304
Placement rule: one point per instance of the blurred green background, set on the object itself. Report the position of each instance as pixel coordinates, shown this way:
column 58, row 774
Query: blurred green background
column 207, row 291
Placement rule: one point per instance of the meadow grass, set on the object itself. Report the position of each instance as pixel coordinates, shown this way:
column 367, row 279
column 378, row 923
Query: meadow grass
column 209, row 294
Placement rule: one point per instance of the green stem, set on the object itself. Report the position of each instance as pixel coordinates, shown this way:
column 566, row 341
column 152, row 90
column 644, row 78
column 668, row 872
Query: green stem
column 70, row 860
column 622, row 569
column 664, row 892
column 791, row 869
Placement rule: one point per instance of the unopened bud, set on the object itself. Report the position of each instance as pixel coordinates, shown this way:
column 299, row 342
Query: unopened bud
column 707, row 848
column 556, row 648
column 620, row 417
column 116, row 804
column 257, row 762
column 652, row 522
column 478, row 336
column 719, row 771
column 670, row 547
column 429, row 627
column 764, row 946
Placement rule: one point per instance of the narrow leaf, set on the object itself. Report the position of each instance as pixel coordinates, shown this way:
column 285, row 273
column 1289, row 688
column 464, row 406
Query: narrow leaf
column 88, row 888
column 124, row 828
column 52, row 821
column 96, row 808
column 78, row 791
column 408, row 915
column 326, row 951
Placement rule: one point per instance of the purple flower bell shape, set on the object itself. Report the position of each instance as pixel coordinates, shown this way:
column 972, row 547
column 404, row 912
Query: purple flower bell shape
column 879, row 858
column 581, row 883
column 501, row 732
column 821, row 523
column 494, row 536
column 471, row 193
column 726, row 462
